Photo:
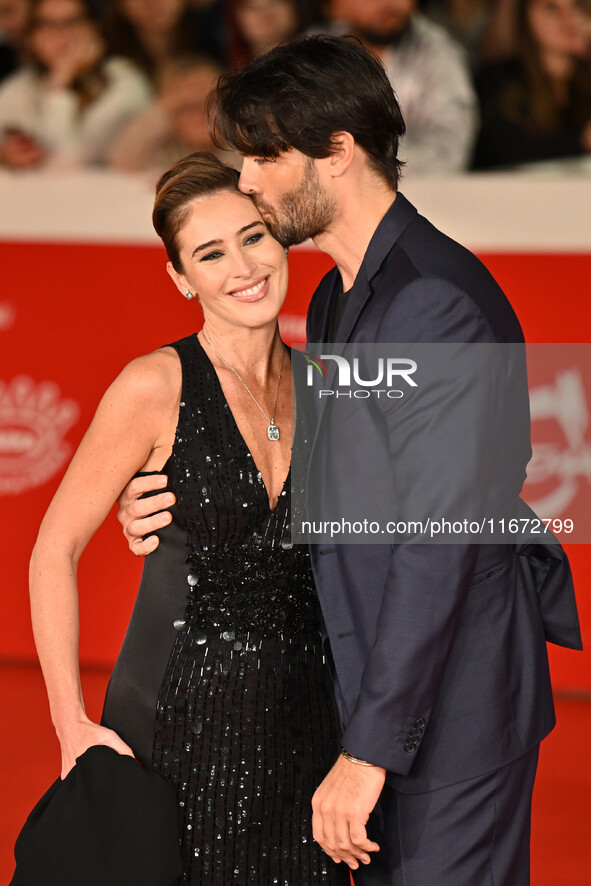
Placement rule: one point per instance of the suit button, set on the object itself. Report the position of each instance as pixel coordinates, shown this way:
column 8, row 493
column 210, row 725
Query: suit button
column 415, row 732
column 410, row 747
column 420, row 723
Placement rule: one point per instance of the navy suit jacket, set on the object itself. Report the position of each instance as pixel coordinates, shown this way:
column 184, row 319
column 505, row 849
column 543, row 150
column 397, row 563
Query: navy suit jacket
column 438, row 651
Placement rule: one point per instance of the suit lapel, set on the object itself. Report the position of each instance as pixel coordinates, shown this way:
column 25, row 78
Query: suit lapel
column 324, row 299
column 356, row 301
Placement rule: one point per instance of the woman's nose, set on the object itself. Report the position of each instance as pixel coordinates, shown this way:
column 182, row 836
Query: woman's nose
column 243, row 264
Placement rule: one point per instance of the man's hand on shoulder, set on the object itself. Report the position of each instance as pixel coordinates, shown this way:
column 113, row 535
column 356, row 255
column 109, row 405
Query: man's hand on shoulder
column 138, row 515
column 341, row 807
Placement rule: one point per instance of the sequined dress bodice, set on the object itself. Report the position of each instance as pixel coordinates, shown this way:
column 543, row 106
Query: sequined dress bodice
column 246, row 573
column 221, row 682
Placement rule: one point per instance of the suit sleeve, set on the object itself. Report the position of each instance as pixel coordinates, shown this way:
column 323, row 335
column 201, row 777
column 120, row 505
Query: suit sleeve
column 441, row 446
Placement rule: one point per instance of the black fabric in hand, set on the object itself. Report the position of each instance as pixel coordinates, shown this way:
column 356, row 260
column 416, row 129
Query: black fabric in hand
column 110, row 822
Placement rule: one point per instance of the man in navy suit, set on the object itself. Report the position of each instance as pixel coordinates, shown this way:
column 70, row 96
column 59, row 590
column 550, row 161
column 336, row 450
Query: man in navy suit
column 437, row 651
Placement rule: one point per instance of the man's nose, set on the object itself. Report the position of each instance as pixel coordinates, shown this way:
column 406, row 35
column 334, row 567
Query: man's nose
column 247, row 182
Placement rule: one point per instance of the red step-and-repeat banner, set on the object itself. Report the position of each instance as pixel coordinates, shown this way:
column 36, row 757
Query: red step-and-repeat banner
column 73, row 313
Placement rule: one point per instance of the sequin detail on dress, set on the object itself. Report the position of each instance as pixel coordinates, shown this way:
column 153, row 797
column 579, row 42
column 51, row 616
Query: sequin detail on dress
column 246, row 726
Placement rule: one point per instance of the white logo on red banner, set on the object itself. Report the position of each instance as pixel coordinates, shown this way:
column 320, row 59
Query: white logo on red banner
column 34, row 420
column 563, row 463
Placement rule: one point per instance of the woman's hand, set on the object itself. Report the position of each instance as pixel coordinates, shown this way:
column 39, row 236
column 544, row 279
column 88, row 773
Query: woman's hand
column 19, row 151
column 78, row 737
column 80, row 57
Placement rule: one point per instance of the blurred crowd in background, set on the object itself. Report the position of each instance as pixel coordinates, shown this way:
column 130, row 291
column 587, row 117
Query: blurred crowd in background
column 483, row 84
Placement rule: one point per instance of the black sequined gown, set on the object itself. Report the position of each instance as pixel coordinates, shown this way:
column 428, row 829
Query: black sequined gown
column 221, row 683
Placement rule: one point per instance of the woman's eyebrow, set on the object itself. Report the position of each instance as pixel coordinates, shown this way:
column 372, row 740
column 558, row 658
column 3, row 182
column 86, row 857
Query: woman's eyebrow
column 218, row 241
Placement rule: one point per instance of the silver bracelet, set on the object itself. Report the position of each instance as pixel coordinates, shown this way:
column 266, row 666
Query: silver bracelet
column 353, row 759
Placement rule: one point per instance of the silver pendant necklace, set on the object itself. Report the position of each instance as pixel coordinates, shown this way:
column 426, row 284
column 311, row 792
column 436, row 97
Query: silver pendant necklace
column 272, row 429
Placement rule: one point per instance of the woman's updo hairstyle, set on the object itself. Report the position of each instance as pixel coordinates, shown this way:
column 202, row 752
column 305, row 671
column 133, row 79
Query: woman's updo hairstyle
column 197, row 175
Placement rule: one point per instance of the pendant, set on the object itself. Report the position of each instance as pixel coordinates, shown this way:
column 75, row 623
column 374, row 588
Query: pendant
column 273, row 432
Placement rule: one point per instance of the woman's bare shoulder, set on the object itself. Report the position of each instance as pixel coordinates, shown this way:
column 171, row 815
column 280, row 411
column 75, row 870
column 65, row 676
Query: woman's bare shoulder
column 151, row 380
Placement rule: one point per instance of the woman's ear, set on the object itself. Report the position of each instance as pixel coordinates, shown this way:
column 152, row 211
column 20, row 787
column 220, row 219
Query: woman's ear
column 179, row 280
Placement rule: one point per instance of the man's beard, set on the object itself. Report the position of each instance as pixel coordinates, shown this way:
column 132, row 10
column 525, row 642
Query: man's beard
column 302, row 213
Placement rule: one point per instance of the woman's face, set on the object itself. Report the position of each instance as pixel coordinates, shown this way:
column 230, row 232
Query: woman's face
column 231, row 261
column 58, row 27
column 153, row 15
column 557, row 26
column 266, row 22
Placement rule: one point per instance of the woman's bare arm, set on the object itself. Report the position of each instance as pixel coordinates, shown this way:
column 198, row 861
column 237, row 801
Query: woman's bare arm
column 132, row 430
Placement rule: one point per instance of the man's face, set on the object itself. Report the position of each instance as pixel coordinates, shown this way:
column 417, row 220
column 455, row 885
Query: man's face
column 289, row 195
column 376, row 22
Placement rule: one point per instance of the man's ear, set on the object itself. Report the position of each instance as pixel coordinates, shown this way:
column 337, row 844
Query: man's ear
column 178, row 279
column 343, row 152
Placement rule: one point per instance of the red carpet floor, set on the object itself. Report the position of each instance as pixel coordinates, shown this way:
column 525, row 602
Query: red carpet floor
column 561, row 839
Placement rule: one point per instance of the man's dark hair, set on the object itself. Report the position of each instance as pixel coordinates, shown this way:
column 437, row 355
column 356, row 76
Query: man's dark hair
column 300, row 93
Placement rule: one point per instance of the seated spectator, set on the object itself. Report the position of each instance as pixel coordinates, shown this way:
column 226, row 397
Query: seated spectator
column 466, row 20
column 429, row 74
column 536, row 105
column 14, row 15
column 499, row 38
column 175, row 123
column 258, row 25
column 67, row 105
column 151, row 32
